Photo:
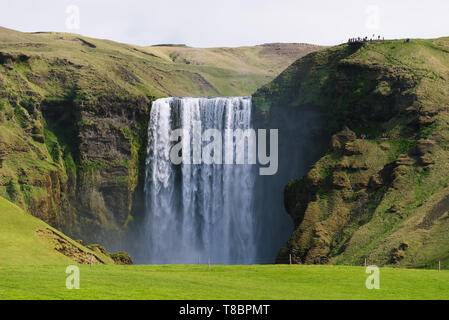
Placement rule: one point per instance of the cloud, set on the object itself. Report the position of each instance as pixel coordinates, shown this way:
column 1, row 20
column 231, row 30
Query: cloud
column 208, row 23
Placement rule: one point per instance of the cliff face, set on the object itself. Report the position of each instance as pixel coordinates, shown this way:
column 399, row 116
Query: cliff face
column 381, row 197
column 74, row 114
column 104, row 182
column 75, row 158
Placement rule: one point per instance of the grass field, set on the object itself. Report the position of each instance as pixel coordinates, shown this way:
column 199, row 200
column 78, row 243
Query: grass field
column 24, row 275
column 221, row 282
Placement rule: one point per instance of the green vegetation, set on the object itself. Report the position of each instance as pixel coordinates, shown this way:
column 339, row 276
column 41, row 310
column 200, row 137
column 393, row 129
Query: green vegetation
column 158, row 71
column 74, row 110
column 22, row 242
column 74, row 113
column 384, row 198
column 221, row 282
column 31, row 269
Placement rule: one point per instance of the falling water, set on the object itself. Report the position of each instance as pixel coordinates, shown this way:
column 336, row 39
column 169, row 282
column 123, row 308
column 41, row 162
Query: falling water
column 198, row 211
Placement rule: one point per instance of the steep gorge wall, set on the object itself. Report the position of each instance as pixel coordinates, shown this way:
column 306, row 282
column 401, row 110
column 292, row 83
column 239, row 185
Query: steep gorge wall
column 105, row 185
column 365, row 198
column 71, row 155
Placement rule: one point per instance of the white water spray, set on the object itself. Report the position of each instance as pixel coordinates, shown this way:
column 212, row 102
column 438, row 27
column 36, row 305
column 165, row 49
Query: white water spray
column 198, row 211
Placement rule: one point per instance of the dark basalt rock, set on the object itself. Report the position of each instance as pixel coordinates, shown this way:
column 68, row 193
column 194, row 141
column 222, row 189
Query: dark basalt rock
column 339, row 140
column 122, row 258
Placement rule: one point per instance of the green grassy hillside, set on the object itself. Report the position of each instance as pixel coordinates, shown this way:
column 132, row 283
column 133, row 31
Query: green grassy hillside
column 26, row 240
column 221, row 282
column 157, row 70
column 229, row 71
column 383, row 198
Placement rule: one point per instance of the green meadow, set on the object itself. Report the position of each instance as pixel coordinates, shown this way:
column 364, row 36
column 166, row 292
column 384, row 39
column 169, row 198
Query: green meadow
column 31, row 269
column 220, row 282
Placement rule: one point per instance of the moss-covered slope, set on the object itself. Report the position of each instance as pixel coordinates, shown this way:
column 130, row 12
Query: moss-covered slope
column 26, row 240
column 383, row 198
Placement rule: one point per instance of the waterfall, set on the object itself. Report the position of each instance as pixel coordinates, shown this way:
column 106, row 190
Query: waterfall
column 198, row 211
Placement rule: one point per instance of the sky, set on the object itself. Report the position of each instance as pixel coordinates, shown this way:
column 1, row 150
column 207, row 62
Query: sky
column 212, row 23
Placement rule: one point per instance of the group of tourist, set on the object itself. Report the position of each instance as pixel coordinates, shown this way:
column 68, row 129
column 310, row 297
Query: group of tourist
column 365, row 136
column 365, row 39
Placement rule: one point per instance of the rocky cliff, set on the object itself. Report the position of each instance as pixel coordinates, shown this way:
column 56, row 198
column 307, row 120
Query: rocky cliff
column 70, row 151
column 379, row 187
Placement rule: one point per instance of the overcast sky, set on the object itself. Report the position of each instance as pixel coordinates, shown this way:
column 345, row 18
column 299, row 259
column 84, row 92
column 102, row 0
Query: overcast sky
column 211, row 23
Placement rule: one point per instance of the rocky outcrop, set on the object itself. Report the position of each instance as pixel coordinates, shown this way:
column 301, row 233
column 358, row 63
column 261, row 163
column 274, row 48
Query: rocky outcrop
column 121, row 257
column 77, row 253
